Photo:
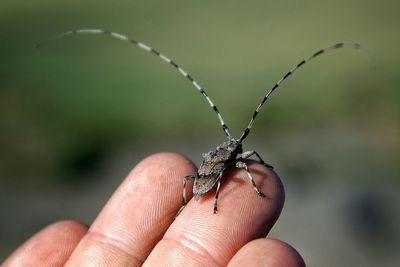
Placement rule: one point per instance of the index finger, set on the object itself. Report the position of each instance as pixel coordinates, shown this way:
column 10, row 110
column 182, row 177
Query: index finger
column 200, row 238
column 137, row 215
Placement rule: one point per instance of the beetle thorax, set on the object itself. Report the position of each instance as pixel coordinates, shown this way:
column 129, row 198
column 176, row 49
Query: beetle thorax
column 216, row 160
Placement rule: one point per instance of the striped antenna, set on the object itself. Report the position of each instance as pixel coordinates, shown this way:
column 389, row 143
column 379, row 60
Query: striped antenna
column 301, row 63
column 154, row 52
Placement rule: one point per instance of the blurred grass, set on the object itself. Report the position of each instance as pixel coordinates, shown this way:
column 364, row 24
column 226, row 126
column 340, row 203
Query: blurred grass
column 92, row 92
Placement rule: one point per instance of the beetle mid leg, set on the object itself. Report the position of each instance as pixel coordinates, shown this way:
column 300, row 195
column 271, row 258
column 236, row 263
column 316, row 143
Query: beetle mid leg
column 188, row 177
column 242, row 165
column 248, row 154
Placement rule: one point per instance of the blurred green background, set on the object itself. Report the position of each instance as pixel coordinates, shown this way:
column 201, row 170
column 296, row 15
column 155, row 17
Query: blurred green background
column 77, row 114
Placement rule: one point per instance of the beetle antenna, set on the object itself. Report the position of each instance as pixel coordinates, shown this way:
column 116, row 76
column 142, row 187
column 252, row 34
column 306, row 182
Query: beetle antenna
column 154, row 52
column 278, row 83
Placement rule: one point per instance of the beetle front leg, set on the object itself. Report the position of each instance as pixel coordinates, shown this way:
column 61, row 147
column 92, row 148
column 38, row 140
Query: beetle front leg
column 188, row 177
column 216, row 196
column 242, row 165
column 248, row 154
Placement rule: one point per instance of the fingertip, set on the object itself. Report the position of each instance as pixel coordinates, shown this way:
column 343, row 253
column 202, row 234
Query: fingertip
column 168, row 157
column 163, row 172
column 237, row 186
column 267, row 252
column 165, row 163
column 51, row 246
column 272, row 187
column 198, row 236
column 68, row 227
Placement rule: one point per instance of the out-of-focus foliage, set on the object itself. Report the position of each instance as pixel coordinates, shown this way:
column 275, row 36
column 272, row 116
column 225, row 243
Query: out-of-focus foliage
column 79, row 103
column 77, row 97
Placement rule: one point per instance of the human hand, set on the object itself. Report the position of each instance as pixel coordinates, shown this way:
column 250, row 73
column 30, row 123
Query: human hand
column 137, row 227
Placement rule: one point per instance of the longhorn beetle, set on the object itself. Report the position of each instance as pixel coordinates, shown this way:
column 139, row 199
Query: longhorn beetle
column 228, row 154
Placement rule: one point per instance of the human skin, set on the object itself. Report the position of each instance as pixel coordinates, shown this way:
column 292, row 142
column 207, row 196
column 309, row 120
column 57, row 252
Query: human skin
column 137, row 226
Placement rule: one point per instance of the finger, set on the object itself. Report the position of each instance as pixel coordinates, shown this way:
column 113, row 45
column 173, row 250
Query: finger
column 50, row 247
column 200, row 238
column 137, row 215
column 268, row 253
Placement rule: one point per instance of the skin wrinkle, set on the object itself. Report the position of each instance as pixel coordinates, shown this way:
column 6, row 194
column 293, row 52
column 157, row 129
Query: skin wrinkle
column 193, row 246
column 198, row 239
column 218, row 235
column 112, row 242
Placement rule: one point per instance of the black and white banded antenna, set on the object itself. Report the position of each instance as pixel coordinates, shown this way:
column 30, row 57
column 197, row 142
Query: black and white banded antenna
column 147, row 48
column 290, row 72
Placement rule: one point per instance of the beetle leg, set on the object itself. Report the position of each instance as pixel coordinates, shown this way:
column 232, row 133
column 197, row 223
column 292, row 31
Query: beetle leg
column 248, row 154
column 216, row 196
column 242, row 165
column 188, row 177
